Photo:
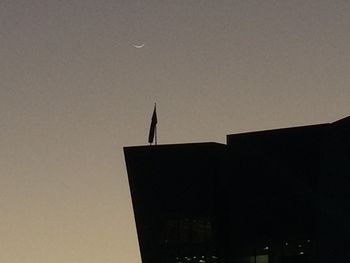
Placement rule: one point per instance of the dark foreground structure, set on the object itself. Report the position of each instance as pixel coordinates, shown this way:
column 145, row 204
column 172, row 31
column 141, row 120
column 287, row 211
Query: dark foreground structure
column 275, row 196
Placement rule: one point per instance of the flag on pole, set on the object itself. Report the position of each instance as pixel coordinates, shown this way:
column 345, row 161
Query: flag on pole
column 153, row 128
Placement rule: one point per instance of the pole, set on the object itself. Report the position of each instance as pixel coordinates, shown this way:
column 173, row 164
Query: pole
column 155, row 131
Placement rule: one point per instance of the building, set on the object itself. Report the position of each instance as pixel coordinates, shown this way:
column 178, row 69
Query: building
column 264, row 197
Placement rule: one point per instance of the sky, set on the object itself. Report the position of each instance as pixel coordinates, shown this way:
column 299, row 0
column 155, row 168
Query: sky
column 74, row 91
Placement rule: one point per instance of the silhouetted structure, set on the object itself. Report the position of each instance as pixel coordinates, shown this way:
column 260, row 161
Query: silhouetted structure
column 269, row 196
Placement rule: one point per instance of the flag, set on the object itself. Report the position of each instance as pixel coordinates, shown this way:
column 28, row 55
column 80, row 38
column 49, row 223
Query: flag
column 152, row 129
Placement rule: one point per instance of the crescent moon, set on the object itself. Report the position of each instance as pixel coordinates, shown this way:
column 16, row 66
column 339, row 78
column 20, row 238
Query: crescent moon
column 139, row 46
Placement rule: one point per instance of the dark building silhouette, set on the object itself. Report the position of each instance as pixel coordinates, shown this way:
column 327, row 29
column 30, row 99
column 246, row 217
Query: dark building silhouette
column 275, row 196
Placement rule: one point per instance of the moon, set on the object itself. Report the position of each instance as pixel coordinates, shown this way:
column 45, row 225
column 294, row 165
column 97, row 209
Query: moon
column 139, row 46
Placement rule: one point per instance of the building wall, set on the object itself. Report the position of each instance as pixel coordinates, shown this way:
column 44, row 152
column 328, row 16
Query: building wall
column 271, row 196
column 174, row 198
column 334, row 189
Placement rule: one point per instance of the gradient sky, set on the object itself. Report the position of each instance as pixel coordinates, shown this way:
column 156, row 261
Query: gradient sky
column 74, row 91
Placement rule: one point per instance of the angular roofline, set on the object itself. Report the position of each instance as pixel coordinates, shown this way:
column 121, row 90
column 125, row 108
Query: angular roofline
column 342, row 120
column 282, row 129
column 176, row 144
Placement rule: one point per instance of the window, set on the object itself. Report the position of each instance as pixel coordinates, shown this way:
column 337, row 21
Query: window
column 188, row 230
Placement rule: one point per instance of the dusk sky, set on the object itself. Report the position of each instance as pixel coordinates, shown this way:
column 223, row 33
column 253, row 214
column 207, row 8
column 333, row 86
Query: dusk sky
column 74, row 91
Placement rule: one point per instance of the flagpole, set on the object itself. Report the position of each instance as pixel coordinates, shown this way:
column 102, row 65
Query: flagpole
column 155, row 132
